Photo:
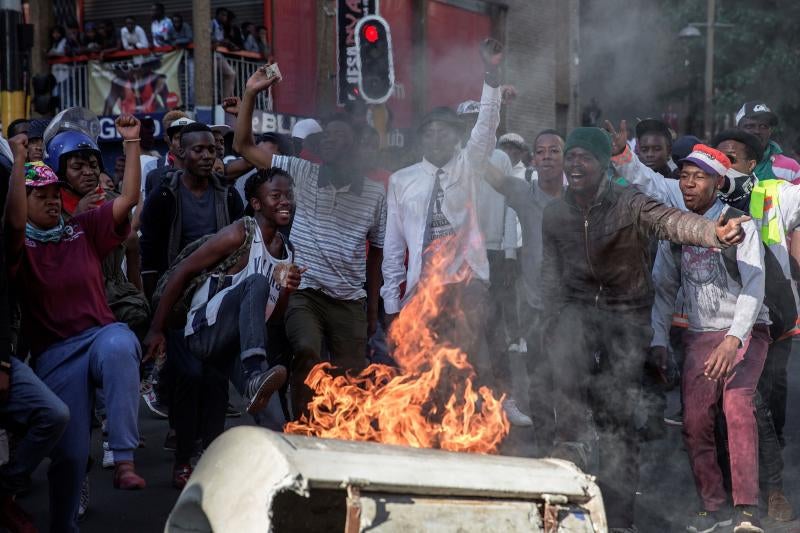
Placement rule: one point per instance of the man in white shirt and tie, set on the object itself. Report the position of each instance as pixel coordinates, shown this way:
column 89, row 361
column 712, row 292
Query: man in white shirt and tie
column 435, row 199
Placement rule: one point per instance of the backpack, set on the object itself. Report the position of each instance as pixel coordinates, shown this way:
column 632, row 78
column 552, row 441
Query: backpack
column 778, row 293
column 178, row 313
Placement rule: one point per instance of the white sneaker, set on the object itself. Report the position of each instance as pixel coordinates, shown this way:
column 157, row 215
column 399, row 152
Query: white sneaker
column 515, row 416
column 108, row 456
column 513, row 347
column 523, row 345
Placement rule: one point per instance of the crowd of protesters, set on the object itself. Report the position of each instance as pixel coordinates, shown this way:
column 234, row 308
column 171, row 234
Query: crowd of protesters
column 618, row 269
column 102, row 37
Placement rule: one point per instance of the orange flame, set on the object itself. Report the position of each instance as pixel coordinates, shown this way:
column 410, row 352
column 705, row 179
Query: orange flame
column 429, row 402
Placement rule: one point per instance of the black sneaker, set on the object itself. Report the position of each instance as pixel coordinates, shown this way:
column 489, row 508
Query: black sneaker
column 708, row 521
column 171, row 441
column 746, row 520
column 261, row 385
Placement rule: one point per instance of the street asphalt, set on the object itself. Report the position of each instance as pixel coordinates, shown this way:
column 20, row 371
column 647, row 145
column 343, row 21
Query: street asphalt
column 666, row 492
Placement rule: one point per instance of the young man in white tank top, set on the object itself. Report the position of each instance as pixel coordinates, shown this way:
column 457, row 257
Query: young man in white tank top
column 224, row 322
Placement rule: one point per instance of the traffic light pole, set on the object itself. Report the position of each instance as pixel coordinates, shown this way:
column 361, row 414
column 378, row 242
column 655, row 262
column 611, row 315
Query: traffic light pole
column 12, row 87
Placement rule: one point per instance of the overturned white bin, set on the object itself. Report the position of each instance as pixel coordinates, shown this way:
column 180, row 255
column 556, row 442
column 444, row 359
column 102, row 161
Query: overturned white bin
column 255, row 480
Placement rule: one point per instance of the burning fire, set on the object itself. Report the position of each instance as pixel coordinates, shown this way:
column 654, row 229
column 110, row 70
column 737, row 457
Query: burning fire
column 429, row 402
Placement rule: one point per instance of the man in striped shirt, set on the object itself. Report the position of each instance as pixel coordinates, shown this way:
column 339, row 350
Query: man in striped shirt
column 338, row 211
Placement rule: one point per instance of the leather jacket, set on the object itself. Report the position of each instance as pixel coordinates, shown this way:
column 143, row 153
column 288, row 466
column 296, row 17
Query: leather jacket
column 601, row 257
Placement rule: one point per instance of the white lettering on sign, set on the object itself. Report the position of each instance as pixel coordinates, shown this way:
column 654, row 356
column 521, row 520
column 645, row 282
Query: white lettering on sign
column 108, row 131
column 265, row 122
column 399, row 92
column 396, row 138
column 352, row 65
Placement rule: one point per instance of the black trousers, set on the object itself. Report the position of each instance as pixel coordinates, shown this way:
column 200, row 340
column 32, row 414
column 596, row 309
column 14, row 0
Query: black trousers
column 597, row 360
column 199, row 398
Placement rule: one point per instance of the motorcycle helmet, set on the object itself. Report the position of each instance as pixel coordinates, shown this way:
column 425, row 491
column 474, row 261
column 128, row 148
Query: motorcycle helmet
column 75, row 129
column 66, row 143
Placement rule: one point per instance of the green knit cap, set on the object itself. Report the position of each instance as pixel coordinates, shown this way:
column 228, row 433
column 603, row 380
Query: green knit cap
column 594, row 140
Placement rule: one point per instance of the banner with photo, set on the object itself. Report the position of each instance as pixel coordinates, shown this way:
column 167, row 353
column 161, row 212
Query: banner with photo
column 136, row 85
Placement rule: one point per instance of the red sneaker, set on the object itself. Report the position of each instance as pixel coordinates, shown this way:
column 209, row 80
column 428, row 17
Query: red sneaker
column 181, row 475
column 126, row 478
column 15, row 518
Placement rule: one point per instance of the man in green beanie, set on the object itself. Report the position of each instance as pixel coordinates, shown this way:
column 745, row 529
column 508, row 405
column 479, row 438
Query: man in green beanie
column 598, row 294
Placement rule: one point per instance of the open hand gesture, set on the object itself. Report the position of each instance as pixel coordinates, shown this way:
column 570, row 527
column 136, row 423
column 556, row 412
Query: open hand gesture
column 619, row 139
column 128, row 126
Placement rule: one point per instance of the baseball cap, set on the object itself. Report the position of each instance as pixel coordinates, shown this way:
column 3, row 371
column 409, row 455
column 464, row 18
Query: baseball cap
column 442, row 114
column 224, row 129
column 304, row 128
column 469, row 107
column 36, row 128
column 178, row 124
column 708, row 159
column 682, row 147
column 756, row 109
column 37, row 174
column 514, row 139
column 748, row 139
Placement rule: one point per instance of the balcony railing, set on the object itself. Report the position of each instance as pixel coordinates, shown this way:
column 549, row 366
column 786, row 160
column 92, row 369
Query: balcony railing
column 231, row 71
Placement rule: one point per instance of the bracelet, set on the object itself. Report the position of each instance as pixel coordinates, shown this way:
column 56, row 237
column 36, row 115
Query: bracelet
column 132, row 140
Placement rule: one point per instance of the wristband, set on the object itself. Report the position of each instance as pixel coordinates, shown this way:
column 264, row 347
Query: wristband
column 136, row 140
column 492, row 78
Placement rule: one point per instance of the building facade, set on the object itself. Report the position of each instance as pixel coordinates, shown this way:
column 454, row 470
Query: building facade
column 435, row 53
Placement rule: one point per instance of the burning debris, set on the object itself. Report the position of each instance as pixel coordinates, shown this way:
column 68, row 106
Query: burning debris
column 430, row 401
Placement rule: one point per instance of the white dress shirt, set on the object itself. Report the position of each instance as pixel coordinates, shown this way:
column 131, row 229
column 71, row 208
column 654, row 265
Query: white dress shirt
column 408, row 199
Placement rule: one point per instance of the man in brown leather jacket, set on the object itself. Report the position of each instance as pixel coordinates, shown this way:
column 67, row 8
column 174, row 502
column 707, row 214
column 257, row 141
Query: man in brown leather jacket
column 598, row 293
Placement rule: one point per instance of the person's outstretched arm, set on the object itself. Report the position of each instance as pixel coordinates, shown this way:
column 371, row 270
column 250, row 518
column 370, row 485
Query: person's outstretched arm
column 17, row 201
column 243, row 141
column 209, row 254
column 128, row 127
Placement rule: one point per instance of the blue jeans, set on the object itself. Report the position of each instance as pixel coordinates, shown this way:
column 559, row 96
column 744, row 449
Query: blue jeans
column 106, row 357
column 34, row 408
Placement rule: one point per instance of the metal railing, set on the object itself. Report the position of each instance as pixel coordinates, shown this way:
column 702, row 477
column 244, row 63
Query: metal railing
column 72, row 75
column 72, row 84
column 231, row 71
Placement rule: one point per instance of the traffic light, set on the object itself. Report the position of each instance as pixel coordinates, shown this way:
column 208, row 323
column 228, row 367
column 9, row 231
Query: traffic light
column 375, row 65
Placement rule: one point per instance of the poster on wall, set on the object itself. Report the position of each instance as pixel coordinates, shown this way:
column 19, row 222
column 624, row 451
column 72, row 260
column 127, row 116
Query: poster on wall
column 138, row 84
column 348, row 13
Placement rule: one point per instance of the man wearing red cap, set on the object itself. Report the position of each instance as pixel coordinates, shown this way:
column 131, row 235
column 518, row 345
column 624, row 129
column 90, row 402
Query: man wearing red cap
column 725, row 344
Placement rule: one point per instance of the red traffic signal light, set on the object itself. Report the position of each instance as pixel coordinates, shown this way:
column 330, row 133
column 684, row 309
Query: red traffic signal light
column 371, row 33
column 374, row 56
